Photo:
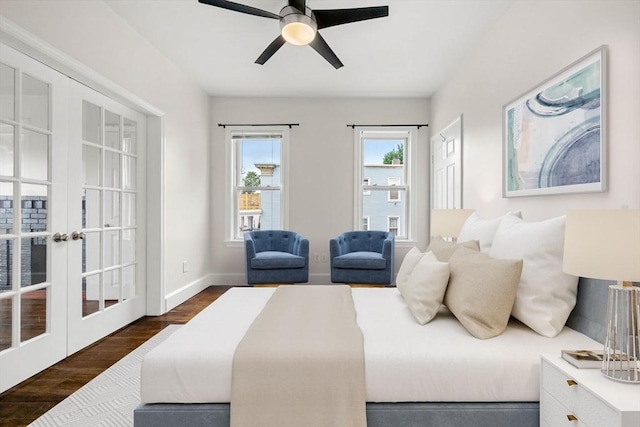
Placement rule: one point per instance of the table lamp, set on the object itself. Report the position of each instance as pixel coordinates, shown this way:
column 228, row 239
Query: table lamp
column 605, row 244
column 448, row 222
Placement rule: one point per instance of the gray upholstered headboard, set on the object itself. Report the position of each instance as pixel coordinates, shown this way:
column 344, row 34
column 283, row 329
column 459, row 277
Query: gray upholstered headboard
column 590, row 311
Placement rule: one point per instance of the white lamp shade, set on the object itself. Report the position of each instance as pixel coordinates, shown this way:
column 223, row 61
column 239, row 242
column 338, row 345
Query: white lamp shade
column 448, row 222
column 603, row 244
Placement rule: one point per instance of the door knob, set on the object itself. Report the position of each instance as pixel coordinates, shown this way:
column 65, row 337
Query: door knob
column 60, row 237
column 78, row 235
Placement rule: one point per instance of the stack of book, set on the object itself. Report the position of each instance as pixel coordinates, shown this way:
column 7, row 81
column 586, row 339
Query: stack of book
column 583, row 358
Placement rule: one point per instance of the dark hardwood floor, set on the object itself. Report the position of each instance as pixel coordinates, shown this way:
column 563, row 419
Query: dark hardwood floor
column 25, row 402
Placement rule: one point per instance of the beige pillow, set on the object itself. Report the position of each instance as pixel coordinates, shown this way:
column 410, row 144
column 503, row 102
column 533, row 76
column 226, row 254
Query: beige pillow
column 443, row 249
column 481, row 291
column 424, row 291
column 408, row 264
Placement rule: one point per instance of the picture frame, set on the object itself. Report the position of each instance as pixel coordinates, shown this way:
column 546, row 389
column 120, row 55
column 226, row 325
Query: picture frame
column 554, row 135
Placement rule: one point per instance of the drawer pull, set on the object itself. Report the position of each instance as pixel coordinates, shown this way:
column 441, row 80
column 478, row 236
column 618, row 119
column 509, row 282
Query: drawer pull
column 572, row 417
column 571, row 383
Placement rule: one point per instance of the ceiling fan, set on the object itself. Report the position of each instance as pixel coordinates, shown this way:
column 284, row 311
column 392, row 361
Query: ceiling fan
column 299, row 24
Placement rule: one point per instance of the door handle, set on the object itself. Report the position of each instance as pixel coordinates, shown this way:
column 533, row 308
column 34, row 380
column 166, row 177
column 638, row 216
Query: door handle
column 78, row 235
column 60, row 237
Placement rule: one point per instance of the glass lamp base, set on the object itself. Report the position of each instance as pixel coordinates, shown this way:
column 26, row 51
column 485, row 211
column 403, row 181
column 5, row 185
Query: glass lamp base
column 621, row 358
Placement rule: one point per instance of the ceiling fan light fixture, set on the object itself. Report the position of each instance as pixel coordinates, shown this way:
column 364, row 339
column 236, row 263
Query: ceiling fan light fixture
column 297, row 28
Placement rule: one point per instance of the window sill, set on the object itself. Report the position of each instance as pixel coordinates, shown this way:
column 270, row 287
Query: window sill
column 234, row 243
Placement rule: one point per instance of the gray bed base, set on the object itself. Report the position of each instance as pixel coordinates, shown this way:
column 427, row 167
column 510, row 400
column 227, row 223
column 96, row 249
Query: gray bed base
column 405, row 414
column 587, row 317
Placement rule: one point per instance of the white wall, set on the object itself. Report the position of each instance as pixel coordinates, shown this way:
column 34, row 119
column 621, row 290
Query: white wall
column 322, row 168
column 533, row 41
column 94, row 35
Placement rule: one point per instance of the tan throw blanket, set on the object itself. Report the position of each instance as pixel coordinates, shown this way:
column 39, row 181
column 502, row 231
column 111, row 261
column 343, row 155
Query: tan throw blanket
column 301, row 363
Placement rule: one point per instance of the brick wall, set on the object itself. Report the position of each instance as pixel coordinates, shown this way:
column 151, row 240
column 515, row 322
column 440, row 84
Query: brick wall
column 33, row 255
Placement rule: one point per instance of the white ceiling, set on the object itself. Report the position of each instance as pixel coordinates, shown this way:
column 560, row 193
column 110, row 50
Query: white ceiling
column 410, row 53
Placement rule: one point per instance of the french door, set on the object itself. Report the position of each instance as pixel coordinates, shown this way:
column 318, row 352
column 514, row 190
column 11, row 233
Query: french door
column 106, row 245
column 72, row 187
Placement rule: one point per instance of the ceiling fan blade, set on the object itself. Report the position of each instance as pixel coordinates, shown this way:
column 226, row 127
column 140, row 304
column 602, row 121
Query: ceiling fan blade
column 321, row 46
column 298, row 4
column 331, row 17
column 237, row 7
column 270, row 50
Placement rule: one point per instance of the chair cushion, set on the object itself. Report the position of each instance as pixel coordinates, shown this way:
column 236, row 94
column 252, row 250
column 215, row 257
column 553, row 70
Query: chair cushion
column 360, row 261
column 274, row 259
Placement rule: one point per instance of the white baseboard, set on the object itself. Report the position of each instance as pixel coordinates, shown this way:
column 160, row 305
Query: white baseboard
column 179, row 296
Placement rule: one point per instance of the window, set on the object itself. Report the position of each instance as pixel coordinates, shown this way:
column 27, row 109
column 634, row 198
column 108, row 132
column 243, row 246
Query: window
column 365, row 183
column 394, row 195
column 365, row 223
column 257, row 165
column 383, row 181
column 392, row 224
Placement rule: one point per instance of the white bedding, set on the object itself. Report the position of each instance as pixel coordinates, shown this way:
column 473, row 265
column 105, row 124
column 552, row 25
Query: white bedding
column 404, row 361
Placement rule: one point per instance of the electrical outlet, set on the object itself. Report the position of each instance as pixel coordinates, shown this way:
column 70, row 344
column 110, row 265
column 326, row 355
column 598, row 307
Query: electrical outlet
column 316, row 257
column 185, row 266
column 324, row 257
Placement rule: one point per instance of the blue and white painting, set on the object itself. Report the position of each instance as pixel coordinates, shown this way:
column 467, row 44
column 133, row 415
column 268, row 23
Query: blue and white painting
column 553, row 135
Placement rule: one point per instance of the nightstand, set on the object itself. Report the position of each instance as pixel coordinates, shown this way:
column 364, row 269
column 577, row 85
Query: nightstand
column 584, row 397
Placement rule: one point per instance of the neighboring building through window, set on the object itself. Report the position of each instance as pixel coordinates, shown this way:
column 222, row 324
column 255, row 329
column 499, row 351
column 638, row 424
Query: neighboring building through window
column 365, row 183
column 392, row 224
column 394, row 195
column 257, row 184
column 384, row 177
column 365, row 223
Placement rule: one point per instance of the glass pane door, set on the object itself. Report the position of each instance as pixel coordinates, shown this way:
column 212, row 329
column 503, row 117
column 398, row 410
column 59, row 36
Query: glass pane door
column 106, row 258
column 32, row 210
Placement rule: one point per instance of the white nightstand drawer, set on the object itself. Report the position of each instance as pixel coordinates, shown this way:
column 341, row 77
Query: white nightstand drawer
column 594, row 412
column 581, row 402
column 593, row 399
column 555, row 383
column 553, row 413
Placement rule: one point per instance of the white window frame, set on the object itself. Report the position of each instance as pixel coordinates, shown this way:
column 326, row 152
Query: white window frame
column 231, row 211
column 409, row 134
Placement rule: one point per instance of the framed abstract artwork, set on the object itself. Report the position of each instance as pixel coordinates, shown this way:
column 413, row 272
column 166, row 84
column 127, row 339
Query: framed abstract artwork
column 554, row 136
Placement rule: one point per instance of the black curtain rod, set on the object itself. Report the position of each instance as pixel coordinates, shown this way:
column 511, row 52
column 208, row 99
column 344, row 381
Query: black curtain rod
column 224, row 125
column 387, row 126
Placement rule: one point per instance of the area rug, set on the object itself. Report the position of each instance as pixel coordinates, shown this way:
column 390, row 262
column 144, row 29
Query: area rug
column 110, row 398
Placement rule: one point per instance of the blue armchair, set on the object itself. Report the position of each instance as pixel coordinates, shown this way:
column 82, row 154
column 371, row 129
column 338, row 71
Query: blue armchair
column 363, row 257
column 276, row 256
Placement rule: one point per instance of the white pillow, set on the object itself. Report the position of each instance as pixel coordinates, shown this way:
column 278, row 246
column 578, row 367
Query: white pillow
column 483, row 230
column 546, row 295
column 408, row 264
column 425, row 289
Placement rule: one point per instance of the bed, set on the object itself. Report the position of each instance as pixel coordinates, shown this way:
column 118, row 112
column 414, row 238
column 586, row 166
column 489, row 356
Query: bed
column 474, row 363
column 431, row 375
